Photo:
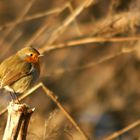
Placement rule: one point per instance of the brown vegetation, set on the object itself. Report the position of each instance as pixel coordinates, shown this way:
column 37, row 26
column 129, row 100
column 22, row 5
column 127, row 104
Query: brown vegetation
column 91, row 63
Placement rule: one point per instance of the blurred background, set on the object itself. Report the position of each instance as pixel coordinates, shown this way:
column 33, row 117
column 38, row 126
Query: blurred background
column 91, row 62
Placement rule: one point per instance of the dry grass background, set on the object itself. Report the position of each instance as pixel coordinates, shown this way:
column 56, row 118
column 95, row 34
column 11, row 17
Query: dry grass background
column 91, row 62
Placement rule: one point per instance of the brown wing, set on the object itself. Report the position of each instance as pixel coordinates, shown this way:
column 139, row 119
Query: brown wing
column 13, row 69
column 13, row 78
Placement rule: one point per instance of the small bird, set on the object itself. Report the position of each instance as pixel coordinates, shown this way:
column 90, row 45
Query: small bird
column 20, row 71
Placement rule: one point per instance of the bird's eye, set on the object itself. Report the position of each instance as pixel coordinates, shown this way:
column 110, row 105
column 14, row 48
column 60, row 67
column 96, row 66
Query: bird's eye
column 31, row 54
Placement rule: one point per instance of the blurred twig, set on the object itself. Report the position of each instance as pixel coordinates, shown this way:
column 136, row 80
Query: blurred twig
column 37, row 34
column 84, row 41
column 11, row 28
column 92, row 64
column 83, row 67
column 55, row 100
column 23, row 96
column 47, row 22
column 122, row 131
column 31, row 17
column 75, row 21
column 117, row 24
column 24, row 12
column 35, row 16
column 68, row 21
column 15, row 38
column 51, row 130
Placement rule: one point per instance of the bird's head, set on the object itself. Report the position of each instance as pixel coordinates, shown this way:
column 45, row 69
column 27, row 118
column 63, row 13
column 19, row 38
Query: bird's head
column 29, row 54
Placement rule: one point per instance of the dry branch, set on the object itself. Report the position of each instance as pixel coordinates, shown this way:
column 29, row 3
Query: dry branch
column 92, row 64
column 22, row 97
column 54, row 99
column 68, row 116
column 17, row 122
column 68, row 21
column 24, row 12
column 75, row 21
column 118, row 23
column 124, row 130
column 35, row 16
column 37, row 34
column 12, row 27
column 45, row 24
column 31, row 17
column 87, row 40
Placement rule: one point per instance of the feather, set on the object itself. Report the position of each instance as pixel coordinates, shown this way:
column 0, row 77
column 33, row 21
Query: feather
column 13, row 69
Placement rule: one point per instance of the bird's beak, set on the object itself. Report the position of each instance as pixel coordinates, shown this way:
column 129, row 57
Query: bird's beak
column 41, row 55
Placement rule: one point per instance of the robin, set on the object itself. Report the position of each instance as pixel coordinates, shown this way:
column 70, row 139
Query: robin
column 20, row 71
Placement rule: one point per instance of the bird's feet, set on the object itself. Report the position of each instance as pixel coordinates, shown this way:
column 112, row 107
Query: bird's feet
column 14, row 98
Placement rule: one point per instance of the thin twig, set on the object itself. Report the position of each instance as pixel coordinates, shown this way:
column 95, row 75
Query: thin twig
column 15, row 38
column 83, row 67
column 117, row 24
column 31, row 17
column 68, row 21
column 24, row 12
column 90, row 65
column 11, row 28
column 54, row 99
column 35, row 16
column 23, row 97
column 83, row 41
column 122, row 131
column 46, row 23
column 37, row 34
column 75, row 21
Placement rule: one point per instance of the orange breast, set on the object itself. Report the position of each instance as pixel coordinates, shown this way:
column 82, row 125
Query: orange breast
column 32, row 59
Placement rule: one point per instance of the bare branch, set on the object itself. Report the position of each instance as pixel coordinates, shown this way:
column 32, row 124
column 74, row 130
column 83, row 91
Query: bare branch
column 92, row 64
column 17, row 122
column 88, row 40
column 25, row 11
column 37, row 34
column 54, row 99
column 23, row 96
column 68, row 21
column 35, row 16
column 122, row 131
column 31, row 17
column 116, row 24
